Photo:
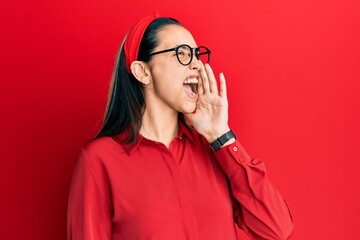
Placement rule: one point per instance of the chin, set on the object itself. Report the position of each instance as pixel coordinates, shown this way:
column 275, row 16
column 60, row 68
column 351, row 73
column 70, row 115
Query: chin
column 189, row 109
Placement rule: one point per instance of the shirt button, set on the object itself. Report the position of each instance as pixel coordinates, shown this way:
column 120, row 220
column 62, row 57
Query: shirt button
column 235, row 149
column 180, row 138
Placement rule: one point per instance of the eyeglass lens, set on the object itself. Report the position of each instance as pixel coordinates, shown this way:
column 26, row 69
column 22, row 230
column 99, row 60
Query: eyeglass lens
column 185, row 54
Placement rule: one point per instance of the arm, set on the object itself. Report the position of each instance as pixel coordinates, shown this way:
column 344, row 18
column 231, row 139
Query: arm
column 89, row 215
column 260, row 209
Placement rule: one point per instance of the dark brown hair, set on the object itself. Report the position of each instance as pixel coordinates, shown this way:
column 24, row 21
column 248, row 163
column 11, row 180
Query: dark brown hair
column 126, row 102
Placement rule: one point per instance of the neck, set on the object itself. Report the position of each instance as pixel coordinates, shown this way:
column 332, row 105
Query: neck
column 159, row 125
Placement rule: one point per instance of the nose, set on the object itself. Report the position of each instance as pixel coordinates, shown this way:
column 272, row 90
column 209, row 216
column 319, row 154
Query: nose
column 195, row 64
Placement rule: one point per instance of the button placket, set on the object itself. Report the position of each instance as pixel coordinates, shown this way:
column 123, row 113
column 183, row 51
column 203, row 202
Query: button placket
column 184, row 201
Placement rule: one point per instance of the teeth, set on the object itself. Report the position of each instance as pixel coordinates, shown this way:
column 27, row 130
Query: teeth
column 191, row 81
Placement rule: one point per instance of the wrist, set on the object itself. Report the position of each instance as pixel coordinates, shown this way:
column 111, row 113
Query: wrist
column 223, row 140
column 211, row 137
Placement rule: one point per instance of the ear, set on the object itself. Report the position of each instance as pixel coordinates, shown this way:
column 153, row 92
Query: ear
column 141, row 72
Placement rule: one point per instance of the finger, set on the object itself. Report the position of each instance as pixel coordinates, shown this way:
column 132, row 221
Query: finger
column 212, row 80
column 204, row 79
column 223, row 86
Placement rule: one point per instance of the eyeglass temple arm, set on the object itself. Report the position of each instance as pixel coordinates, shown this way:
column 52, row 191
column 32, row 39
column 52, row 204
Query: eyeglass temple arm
column 163, row 51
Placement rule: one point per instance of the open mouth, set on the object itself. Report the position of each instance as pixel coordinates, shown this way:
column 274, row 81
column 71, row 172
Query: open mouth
column 192, row 82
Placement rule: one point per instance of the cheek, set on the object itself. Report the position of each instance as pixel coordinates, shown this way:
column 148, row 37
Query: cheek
column 168, row 76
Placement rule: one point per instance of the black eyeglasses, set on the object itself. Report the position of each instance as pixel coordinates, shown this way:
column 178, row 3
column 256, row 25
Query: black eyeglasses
column 185, row 53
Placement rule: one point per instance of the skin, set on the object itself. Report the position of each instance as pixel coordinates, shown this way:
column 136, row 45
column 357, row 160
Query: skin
column 163, row 77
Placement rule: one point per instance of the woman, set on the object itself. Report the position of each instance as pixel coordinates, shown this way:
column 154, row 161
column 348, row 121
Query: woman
column 151, row 173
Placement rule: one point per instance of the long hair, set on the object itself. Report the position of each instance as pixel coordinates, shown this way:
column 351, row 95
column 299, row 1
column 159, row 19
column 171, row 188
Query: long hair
column 126, row 101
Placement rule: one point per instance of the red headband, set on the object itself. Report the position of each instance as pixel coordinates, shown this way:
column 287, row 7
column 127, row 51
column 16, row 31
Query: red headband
column 133, row 39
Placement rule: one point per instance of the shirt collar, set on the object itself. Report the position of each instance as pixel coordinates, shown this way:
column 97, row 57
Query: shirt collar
column 187, row 131
column 130, row 148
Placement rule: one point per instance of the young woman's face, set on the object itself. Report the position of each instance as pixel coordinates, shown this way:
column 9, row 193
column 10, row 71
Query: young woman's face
column 174, row 85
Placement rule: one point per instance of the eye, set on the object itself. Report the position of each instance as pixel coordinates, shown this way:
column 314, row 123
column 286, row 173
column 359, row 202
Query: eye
column 181, row 52
column 184, row 51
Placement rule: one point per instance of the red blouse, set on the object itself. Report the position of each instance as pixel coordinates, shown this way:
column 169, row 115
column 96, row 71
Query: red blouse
column 184, row 192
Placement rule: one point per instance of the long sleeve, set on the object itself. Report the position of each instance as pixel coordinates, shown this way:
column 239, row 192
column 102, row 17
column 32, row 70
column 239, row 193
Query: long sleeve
column 89, row 214
column 260, row 210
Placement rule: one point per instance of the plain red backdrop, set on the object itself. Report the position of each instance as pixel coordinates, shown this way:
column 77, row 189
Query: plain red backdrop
column 293, row 71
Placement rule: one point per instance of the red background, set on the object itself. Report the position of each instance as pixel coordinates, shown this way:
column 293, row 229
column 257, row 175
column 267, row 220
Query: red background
column 293, row 74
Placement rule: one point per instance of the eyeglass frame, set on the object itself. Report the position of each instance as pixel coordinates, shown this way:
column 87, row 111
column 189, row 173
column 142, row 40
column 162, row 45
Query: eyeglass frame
column 176, row 49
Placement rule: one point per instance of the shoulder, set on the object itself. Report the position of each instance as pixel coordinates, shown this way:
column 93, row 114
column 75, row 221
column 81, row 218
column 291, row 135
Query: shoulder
column 102, row 145
column 101, row 151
